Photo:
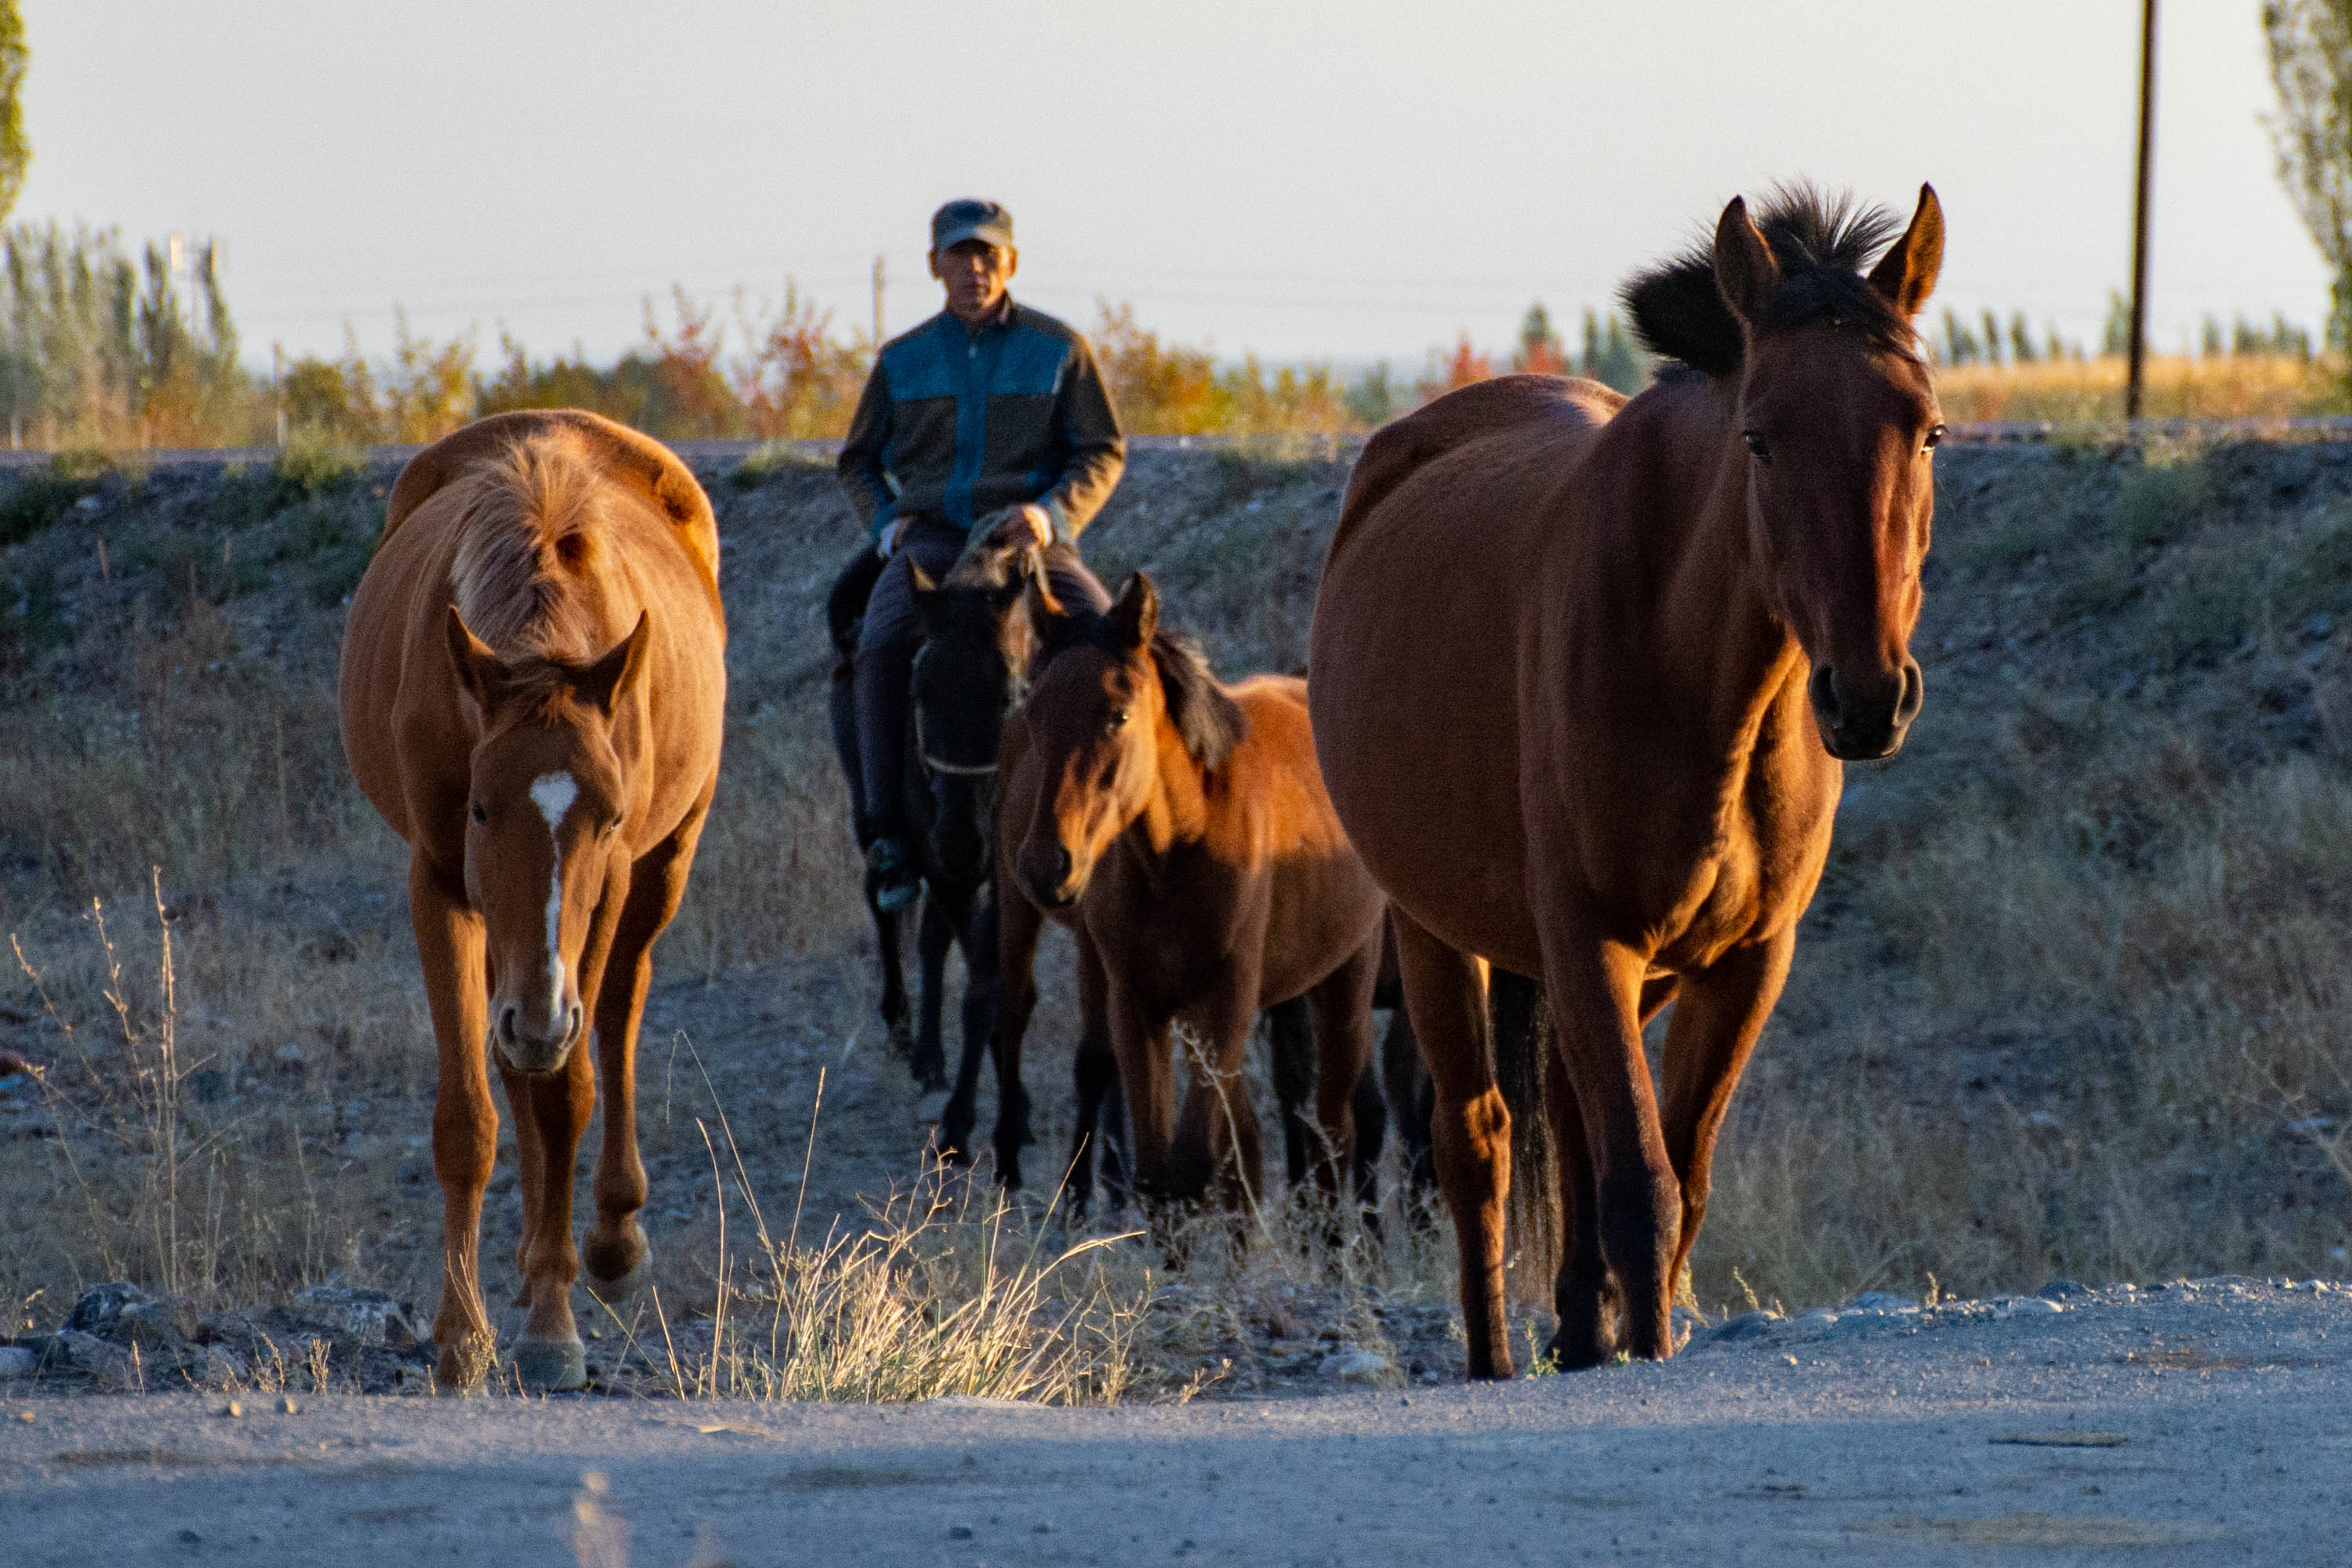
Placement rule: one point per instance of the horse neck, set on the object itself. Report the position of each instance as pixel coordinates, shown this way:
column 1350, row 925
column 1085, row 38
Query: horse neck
column 1176, row 811
column 1718, row 649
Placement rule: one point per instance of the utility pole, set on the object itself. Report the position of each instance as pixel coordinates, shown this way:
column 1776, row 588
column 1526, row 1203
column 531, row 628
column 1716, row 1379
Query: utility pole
column 2139, row 209
column 877, row 305
column 277, row 386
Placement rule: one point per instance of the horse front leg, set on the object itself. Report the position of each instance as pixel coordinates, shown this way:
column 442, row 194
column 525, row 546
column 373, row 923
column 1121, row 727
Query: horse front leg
column 1094, row 1071
column 450, row 948
column 1715, row 1024
column 932, row 939
column 549, row 1356
column 1470, row 1128
column 1594, row 987
column 1218, row 1143
column 841, row 704
column 616, row 1253
column 1019, row 923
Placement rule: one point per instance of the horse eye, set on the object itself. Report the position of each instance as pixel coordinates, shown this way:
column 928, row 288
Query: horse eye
column 480, row 815
column 609, row 828
column 1117, row 718
column 1935, row 438
column 1755, row 445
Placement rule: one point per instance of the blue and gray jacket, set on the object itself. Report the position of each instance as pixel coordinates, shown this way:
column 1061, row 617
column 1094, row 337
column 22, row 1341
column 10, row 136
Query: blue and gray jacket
column 957, row 422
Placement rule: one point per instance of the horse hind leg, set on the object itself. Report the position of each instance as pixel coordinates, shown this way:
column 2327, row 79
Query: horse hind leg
column 1404, row 1085
column 1290, row 1043
column 1470, row 1129
column 1583, row 1295
column 1348, row 1141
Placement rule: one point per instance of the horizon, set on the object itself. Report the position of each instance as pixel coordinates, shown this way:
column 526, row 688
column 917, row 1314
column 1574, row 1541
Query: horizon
column 1490, row 154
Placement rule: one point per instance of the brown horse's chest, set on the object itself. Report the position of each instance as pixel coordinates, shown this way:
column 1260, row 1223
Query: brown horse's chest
column 1742, row 870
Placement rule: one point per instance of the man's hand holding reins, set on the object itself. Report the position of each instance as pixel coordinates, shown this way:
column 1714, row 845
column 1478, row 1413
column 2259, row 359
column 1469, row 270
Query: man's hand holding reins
column 1026, row 526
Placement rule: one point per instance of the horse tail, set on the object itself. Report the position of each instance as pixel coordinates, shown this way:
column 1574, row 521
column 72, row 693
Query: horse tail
column 1526, row 1071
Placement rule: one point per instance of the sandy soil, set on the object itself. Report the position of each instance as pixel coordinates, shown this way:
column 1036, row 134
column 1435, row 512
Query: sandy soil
column 2191, row 1424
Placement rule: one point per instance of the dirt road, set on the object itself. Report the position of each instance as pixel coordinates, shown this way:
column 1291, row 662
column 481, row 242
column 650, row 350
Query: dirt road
column 2192, row 1423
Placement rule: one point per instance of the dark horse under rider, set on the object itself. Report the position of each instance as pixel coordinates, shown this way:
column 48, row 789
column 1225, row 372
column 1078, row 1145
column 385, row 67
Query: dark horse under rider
column 989, row 417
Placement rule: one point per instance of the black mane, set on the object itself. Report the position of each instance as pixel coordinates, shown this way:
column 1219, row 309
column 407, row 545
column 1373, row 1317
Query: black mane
column 1822, row 242
column 1210, row 722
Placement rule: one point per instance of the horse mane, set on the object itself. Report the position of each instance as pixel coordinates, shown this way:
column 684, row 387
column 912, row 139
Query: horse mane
column 530, row 530
column 1823, row 241
column 1210, row 722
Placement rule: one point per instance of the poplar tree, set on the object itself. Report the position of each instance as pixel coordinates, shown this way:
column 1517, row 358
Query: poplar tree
column 2310, row 63
column 14, row 151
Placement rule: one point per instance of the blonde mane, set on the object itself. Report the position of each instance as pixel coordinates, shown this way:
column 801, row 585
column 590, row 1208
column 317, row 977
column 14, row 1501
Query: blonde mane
column 528, row 547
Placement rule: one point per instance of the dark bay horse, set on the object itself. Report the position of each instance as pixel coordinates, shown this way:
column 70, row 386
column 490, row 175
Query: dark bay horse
column 1180, row 828
column 533, row 689
column 968, row 673
column 1584, row 672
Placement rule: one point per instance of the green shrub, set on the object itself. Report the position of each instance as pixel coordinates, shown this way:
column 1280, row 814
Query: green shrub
column 39, row 500
column 2158, row 504
column 769, row 459
column 314, row 461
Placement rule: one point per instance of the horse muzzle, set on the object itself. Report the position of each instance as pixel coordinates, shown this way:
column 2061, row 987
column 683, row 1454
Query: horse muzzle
column 1862, row 721
column 536, row 1046
column 1049, row 876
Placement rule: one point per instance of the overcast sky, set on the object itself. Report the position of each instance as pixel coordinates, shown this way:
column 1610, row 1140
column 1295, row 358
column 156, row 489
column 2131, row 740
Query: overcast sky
column 1304, row 180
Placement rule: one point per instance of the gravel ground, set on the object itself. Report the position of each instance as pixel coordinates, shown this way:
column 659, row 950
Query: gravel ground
column 2195, row 1423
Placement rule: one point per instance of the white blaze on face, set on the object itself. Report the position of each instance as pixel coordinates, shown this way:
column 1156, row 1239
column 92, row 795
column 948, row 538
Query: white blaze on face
column 554, row 794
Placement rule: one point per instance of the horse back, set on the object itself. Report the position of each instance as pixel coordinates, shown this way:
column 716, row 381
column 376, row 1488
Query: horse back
column 1510, row 411
column 623, row 455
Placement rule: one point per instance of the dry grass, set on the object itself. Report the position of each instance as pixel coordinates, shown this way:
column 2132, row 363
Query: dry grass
column 2069, row 1003
column 2091, row 390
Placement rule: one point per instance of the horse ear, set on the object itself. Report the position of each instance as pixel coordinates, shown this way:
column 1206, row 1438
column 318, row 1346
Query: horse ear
column 1745, row 271
column 926, row 591
column 479, row 673
column 613, row 676
column 1906, row 274
column 1045, row 608
column 1136, row 617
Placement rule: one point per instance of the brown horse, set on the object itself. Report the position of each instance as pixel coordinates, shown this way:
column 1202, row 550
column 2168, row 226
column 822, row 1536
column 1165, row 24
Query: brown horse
column 533, row 689
column 1180, row 828
column 1584, row 670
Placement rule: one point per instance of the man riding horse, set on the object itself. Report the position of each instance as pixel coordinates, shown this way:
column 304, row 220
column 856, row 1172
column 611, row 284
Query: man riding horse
column 990, row 416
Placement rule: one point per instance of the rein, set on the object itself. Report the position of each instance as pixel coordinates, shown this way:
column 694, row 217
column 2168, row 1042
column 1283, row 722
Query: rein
column 959, row 770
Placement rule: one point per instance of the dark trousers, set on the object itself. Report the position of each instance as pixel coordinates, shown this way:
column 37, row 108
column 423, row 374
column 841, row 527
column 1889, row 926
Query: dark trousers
column 885, row 655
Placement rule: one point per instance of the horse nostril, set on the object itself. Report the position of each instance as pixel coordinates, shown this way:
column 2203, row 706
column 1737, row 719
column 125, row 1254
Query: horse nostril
column 1823, row 690
column 1062, row 861
column 507, row 1026
column 1915, row 692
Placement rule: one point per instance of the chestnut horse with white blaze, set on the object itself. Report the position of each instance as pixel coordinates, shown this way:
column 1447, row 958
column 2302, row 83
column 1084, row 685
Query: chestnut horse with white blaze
column 1584, row 670
column 534, row 693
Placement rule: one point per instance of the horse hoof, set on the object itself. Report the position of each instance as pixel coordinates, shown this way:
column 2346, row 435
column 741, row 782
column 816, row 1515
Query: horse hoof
column 613, row 1292
column 551, row 1367
column 460, row 1365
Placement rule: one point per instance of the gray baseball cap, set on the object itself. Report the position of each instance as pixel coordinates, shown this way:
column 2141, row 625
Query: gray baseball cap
column 971, row 218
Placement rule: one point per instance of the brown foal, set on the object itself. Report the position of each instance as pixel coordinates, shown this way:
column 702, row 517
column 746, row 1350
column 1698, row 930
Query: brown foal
column 1584, row 670
column 1180, row 828
column 533, row 685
